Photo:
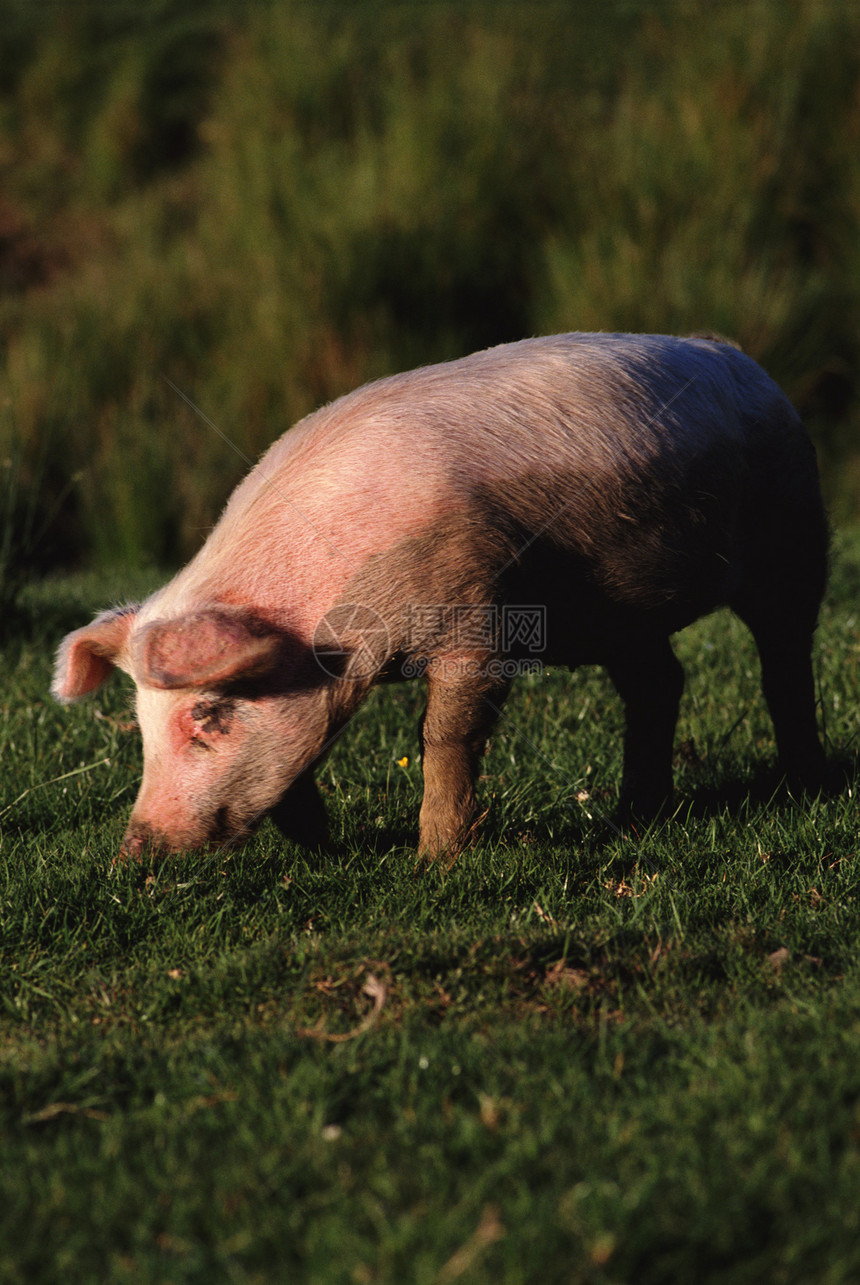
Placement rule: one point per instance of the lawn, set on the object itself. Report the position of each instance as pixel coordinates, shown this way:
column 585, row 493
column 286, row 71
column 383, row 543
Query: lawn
column 577, row 1056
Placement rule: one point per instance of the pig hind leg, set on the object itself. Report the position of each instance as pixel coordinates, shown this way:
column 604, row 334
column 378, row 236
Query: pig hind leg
column 649, row 679
column 789, row 689
column 460, row 713
column 784, row 642
column 779, row 601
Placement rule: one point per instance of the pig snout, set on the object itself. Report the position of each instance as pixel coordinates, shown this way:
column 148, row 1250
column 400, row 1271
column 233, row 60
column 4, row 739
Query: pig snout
column 139, row 838
column 220, row 831
column 164, row 820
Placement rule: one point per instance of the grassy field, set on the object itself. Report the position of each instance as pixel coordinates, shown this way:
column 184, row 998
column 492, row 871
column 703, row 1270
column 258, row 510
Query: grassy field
column 576, row 1057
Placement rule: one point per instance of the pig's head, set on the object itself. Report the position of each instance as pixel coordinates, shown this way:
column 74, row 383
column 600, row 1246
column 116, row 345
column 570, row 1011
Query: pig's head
column 229, row 710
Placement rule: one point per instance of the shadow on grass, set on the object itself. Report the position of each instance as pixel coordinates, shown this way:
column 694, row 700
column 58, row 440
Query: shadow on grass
column 766, row 786
column 598, row 825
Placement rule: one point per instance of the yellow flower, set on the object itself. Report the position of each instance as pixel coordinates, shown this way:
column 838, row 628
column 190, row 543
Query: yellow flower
column 404, row 762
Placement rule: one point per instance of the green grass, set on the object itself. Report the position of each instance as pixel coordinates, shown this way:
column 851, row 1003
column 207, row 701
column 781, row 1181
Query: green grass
column 575, row 1057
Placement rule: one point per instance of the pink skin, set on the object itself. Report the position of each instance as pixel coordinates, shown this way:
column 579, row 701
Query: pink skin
column 214, row 764
column 634, row 483
column 213, row 768
column 202, row 786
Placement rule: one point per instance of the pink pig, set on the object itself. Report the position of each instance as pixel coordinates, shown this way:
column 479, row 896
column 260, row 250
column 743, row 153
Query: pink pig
column 620, row 485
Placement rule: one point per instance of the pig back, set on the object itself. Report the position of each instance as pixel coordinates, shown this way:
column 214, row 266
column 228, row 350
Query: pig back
column 631, row 472
column 635, row 477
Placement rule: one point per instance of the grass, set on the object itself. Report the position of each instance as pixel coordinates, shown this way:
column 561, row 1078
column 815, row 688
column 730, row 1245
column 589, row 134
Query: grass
column 576, row 1057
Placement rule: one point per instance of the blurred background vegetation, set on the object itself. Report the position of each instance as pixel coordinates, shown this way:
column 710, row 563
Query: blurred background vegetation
column 267, row 204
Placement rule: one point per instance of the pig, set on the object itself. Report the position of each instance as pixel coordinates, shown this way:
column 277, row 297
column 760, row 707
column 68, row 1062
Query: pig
column 623, row 485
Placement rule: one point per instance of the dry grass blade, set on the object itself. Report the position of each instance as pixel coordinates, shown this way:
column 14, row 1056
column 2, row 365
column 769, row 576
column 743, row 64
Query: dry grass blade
column 55, row 1109
column 488, row 1230
column 375, row 990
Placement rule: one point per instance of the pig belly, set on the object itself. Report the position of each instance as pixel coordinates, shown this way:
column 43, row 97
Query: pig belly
column 589, row 613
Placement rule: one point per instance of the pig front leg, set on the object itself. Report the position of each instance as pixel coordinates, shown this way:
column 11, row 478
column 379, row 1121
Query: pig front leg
column 650, row 680
column 301, row 815
column 462, row 707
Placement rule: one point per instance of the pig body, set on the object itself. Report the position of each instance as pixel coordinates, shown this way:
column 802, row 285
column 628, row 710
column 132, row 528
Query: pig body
column 623, row 484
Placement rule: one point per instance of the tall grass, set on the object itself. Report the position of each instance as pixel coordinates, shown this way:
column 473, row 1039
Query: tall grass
column 269, row 204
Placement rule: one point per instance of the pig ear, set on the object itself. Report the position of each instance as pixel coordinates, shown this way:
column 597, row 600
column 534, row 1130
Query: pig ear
column 86, row 657
column 205, row 649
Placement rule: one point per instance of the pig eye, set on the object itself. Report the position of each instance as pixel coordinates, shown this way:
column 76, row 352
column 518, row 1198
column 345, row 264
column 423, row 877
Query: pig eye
column 214, row 715
column 208, row 719
column 198, row 740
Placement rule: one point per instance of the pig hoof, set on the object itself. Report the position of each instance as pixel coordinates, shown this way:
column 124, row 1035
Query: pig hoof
column 640, row 814
column 809, row 784
column 440, row 852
